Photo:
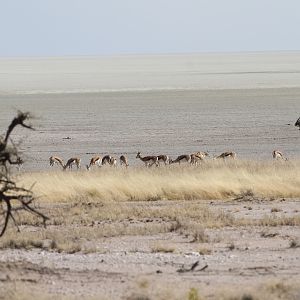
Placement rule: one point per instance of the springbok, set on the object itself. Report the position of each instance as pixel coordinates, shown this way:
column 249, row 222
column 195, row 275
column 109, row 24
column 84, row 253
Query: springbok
column 148, row 160
column 56, row 160
column 195, row 159
column 198, row 156
column 113, row 162
column 108, row 159
column 227, row 154
column 71, row 162
column 201, row 155
column 164, row 158
column 124, row 161
column 278, row 155
column 96, row 160
column 184, row 157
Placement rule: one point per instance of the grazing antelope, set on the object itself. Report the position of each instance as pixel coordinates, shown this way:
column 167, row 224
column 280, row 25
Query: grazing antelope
column 96, row 160
column 227, row 154
column 113, row 162
column 195, row 159
column 201, row 155
column 164, row 158
column 71, row 162
column 278, row 155
column 184, row 157
column 56, row 160
column 124, row 161
column 198, row 156
column 106, row 160
column 148, row 160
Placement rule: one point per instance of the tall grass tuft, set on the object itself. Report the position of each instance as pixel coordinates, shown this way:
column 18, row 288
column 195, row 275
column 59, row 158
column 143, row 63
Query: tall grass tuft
column 211, row 180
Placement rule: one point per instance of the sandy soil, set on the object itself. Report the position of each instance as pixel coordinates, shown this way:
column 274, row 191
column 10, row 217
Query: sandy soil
column 159, row 266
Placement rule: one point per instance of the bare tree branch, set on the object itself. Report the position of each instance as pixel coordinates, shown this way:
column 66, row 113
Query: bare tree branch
column 12, row 197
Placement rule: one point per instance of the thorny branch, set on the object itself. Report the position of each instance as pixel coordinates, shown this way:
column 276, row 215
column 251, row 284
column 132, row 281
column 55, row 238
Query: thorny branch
column 12, row 197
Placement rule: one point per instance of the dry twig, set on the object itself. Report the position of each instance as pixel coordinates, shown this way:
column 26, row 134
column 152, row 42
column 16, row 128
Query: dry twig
column 192, row 268
column 12, row 197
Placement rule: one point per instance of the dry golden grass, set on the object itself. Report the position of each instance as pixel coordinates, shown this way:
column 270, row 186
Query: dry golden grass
column 93, row 205
column 162, row 248
column 272, row 289
column 46, row 240
column 205, row 251
column 68, row 223
column 23, row 291
column 211, row 180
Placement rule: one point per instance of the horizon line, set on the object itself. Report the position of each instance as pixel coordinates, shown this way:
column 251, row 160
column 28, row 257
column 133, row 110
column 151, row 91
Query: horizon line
column 148, row 54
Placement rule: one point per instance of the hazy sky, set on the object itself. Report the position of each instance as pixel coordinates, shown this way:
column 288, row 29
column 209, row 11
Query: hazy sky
column 96, row 27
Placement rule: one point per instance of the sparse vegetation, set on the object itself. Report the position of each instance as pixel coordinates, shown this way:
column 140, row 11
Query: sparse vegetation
column 275, row 209
column 294, row 243
column 143, row 283
column 193, row 294
column 205, row 251
column 231, row 246
column 29, row 241
column 163, row 248
column 277, row 221
column 276, row 290
column 84, row 227
column 200, row 236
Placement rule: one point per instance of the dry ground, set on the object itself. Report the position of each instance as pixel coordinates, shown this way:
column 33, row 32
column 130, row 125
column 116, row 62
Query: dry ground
column 137, row 256
column 246, row 246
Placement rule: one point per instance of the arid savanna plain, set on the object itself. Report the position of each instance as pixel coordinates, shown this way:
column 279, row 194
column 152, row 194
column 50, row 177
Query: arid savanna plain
column 219, row 229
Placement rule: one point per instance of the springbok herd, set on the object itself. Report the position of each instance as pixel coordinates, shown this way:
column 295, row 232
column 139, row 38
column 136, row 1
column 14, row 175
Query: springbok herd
column 149, row 161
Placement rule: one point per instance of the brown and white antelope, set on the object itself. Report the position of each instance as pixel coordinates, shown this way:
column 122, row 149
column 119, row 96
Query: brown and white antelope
column 56, row 160
column 198, row 156
column 163, row 158
column 195, row 159
column 278, row 155
column 113, row 161
column 181, row 158
column 201, row 155
column 124, row 161
column 148, row 160
column 96, row 160
column 72, row 161
column 108, row 159
column 228, row 154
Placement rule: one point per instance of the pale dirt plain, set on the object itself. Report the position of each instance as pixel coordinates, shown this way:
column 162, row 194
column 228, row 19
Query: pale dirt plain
column 150, row 257
column 136, row 233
